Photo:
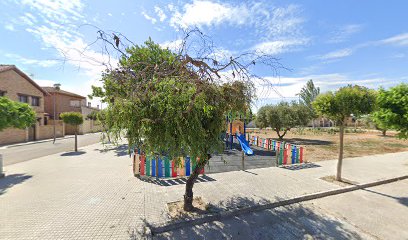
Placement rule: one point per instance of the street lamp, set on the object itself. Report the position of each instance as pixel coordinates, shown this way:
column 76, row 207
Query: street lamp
column 57, row 87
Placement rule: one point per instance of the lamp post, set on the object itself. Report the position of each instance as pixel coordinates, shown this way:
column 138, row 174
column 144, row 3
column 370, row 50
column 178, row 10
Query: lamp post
column 56, row 88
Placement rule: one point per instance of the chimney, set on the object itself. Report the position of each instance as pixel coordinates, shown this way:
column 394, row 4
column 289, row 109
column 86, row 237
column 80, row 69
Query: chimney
column 89, row 104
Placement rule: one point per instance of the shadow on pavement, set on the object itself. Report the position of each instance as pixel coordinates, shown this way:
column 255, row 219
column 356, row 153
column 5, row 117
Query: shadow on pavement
column 401, row 200
column 175, row 181
column 10, row 180
column 67, row 154
column 290, row 222
column 301, row 166
column 120, row 150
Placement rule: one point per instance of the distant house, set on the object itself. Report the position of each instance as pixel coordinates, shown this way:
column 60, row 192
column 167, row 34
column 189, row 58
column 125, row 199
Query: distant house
column 69, row 102
column 17, row 86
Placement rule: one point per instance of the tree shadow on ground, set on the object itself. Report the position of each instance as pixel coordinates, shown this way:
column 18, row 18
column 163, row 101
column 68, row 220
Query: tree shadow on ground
column 175, row 181
column 120, row 150
column 300, row 166
column 401, row 200
column 297, row 221
column 303, row 141
column 68, row 154
column 11, row 180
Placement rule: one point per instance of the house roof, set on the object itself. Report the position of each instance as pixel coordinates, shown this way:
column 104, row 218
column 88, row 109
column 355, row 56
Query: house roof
column 4, row 68
column 52, row 90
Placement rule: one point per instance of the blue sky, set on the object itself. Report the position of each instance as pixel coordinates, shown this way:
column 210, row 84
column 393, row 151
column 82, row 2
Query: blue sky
column 332, row 42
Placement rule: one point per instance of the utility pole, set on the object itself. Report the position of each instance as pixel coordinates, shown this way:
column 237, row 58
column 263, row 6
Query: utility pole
column 56, row 88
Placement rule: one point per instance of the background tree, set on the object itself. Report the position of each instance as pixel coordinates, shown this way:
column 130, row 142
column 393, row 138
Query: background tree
column 15, row 114
column 93, row 115
column 75, row 119
column 393, row 109
column 308, row 94
column 378, row 123
column 340, row 105
column 176, row 102
column 283, row 117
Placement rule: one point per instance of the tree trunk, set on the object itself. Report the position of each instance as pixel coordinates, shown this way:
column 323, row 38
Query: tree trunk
column 76, row 142
column 278, row 132
column 188, row 195
column 340, row 161
column 384, row 132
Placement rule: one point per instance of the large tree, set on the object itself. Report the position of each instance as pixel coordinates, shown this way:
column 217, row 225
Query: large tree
column 171, row 103
column 75, row 119
column 339, row 105
column 15, row 114
column 283, row 116
column 393, row 109
column 308, row 94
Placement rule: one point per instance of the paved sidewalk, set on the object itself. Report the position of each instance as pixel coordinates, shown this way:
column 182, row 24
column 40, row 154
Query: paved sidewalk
column 27, row 151
column 93, row 195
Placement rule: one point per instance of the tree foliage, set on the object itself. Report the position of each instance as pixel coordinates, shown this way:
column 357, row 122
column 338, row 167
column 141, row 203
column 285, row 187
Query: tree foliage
column 93, row 115
column 338, row 106
column 308, row 93
column 176, row 113
column 283, row 117
column 170, row 103
column 72, row 118
column 75, row 119
column 393, row 109
column 15, row 114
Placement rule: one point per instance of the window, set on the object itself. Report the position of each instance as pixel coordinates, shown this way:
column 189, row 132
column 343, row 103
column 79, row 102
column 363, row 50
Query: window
column 35, row 101
column 2, row 93
column 23, row 98
column 75, row 103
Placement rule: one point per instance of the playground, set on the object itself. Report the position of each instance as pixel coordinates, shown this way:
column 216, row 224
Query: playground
column 323, row 145
column 242, row 151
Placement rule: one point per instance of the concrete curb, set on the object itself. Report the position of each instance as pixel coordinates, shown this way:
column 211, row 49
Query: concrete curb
column 245, row 210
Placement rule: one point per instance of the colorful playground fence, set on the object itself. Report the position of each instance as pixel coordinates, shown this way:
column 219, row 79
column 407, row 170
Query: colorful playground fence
column 162, row 166
column 286, row 153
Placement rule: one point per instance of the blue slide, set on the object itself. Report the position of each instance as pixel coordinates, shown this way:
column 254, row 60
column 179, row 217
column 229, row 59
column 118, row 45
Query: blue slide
column 244, row 144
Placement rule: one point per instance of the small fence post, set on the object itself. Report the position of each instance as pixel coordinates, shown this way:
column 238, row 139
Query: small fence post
column 243, row 160
column 1, row 166
column 173, row 168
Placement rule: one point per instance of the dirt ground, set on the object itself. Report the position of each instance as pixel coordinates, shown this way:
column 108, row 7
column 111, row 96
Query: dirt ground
column 324, row 146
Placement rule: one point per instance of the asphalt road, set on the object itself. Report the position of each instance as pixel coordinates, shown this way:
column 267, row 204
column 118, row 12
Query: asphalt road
column 375, row 213
column 15, row 154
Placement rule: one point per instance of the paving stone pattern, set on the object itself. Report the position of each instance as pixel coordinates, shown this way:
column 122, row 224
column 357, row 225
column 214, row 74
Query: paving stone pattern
column 93, row 194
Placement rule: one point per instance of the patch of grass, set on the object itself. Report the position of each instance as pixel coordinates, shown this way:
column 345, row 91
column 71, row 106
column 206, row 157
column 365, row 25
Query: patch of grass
column 315, row 143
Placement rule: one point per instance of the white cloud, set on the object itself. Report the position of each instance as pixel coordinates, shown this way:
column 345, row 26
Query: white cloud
column 160, row 13
column 30, row 61
column 399, row 40
column 9, row 27
column 28, row 19
column 277, row 29
column 56, row 9
column 345, row 32
column 172, row 45
column 59, row 31
column 266, row 19
column 337, row 54
column 279, row 46
column 45, row 83
column 277, row 89
column 200, row 13
column 151, row 19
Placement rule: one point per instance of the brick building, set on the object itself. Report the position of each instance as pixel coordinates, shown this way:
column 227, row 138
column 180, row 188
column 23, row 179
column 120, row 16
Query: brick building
column 17, row 86
column 69, row 102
